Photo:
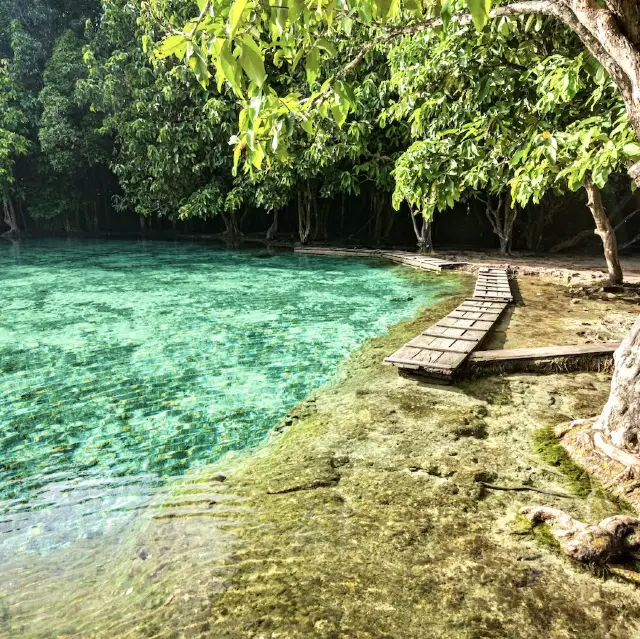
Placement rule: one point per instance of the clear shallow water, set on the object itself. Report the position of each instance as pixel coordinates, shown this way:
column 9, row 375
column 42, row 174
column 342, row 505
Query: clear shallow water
column 123, row 364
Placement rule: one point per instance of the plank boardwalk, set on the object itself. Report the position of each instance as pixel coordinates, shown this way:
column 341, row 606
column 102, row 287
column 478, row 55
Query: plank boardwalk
column 442, row 349
column 415, row 260
column 493, row 284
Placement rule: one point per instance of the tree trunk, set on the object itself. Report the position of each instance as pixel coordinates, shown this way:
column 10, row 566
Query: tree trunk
column 10, row 217
column 304, row 215
column 273, row 229
column 605, row 231
column 502, row 219
column 233, row 224
column 422, row 232
column 620, row 419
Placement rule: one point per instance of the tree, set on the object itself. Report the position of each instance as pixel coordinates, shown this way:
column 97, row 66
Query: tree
column 237, row 36
column 506, row 117
column 41, row 45
column 13, row 144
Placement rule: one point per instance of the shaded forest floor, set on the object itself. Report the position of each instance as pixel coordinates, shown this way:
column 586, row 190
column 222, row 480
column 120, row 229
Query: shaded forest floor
column 574, row 268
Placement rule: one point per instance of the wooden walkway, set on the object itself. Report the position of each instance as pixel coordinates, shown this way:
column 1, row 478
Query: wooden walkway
column 415, row 260
column 493, row 284
column 444, row 347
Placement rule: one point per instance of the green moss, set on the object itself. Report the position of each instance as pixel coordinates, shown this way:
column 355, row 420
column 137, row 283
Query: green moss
column 540, row 532
column 547, row 446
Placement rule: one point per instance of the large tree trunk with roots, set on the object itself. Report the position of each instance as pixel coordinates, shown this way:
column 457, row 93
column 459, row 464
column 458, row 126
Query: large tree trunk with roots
column 617, row 430
column 10, row 217
column 502, row 218
column 605, row 231
column 422, row 232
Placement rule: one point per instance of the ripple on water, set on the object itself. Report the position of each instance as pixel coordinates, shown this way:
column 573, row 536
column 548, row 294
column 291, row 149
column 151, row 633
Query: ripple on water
column 124, row 365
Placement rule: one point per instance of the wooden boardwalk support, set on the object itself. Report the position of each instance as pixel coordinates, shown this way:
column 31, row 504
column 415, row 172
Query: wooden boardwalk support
column 550, row 359
column 415, row 260
column 444, row 347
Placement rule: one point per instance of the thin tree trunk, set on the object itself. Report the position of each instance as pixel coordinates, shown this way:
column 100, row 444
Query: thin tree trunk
column 273, row 229
column 605, row 231
column 502, row 219
column 10, row 217
column 422, row 232
column 304, row 215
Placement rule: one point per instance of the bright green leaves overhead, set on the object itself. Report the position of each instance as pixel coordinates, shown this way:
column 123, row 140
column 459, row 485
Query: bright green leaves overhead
column 260, row 49
column 479, row 10
column 173, row 45
column 198, row 63
column 235, row 15
column 228, row 68
column 251, row 61
column 312, row 66
column 632, row 151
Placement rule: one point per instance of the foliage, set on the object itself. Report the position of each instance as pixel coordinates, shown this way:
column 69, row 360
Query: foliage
column 519, row 107
column 13, row 124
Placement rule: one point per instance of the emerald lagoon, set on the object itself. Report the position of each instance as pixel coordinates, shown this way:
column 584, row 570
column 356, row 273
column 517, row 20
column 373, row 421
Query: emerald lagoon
column 125, row 366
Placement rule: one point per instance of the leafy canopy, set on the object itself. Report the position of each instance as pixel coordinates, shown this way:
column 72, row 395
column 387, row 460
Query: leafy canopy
column 251, row 44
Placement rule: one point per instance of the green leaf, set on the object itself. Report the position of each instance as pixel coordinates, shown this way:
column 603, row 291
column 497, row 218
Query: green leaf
column 229, row 67
column 479, row 10
column 340, row 110
column 257, row 155
column 236, row 158
column 252, row 61
column 235, row 14
column 632, row 150
column 446, row 11
column 312, row 66
column 198, row 64
column 173, row 45
column 327, row 46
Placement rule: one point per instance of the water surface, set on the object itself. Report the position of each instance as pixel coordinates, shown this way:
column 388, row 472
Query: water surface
column 123, row 364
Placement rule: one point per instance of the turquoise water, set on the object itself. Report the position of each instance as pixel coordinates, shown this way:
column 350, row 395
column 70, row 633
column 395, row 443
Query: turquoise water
column 123, row 364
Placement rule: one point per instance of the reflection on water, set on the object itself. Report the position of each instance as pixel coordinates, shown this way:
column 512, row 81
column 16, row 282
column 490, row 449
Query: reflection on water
column 125, row 364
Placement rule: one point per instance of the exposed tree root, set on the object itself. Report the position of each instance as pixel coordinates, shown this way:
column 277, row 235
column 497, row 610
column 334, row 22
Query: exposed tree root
column 594, row 439
column 625, row 573
column 519, row 489
column 612, row 539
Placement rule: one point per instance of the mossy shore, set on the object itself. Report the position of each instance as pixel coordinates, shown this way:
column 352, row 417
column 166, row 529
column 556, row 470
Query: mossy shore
column 368, row 514
column 368, row 518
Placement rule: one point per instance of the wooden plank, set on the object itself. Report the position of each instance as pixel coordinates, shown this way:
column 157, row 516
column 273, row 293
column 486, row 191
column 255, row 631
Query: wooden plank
column 396, row 360
column 460, row 323
column 430, row 333
column 545, row 352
